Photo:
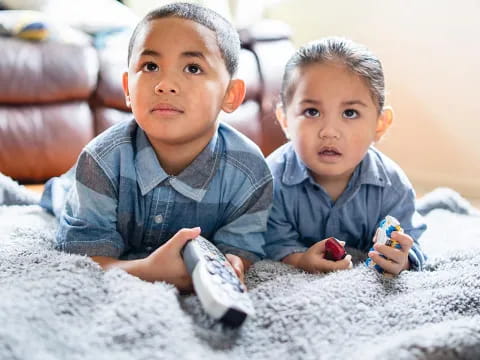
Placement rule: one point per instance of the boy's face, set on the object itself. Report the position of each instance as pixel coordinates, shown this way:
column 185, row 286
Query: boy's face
column 177, row 83
column 331, row 120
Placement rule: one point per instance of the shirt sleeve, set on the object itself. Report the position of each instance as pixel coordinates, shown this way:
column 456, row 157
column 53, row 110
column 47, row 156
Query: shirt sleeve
column 243, row 232
column 282, row 238
column 88, row 221
column 401, row 205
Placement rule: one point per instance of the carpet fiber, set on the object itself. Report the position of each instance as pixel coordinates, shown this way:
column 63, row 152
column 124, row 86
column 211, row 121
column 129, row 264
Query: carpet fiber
column 60, row 306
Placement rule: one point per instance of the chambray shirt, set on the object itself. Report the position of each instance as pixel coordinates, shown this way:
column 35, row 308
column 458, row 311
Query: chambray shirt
column 303, row 213
column 119, row 202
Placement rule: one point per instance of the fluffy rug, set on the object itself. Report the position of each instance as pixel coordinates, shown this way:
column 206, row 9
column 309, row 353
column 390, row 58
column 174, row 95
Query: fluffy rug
column 60, row 306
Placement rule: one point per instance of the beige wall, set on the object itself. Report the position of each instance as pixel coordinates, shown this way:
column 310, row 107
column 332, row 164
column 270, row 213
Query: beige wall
column 431, row 55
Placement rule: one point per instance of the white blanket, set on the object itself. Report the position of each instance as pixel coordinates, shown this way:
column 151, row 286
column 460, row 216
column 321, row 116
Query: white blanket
column 59, row 306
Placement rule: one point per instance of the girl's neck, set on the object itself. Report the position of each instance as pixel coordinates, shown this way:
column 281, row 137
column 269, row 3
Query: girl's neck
column 334, row 186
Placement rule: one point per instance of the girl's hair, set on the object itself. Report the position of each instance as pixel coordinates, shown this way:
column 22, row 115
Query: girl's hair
column 357, row 58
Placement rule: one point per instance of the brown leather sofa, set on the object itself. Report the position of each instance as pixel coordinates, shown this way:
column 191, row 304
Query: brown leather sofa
column 56, row 96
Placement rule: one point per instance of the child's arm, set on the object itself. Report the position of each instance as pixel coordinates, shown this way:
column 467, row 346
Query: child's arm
column 282, row 236
column 401, row 205
column 164, row 264
column 241, row 236
column 88, row 226
column 283, row 244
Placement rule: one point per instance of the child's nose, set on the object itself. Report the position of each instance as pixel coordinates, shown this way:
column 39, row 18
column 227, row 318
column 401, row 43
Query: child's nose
column 329, row 132
column 166, row 86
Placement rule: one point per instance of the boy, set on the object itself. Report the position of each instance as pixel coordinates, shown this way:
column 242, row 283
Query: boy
column 143, row 188
column 329, row 180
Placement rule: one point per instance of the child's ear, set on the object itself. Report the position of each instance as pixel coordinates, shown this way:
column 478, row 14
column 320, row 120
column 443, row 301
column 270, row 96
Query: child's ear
column 234, row 96
column 125, row 89
column 282, row 119
column 383, row 122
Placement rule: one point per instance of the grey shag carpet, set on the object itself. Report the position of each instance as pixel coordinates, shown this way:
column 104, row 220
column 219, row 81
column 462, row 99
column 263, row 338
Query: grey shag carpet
column 59, row 306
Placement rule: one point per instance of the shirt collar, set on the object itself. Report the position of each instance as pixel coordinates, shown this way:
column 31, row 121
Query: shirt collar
column 192, row 182
column 371, row 170
column 295, row 170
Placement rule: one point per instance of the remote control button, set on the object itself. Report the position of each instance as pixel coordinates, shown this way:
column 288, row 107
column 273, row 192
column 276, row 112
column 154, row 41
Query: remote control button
column 209, row 258
column 211, row 268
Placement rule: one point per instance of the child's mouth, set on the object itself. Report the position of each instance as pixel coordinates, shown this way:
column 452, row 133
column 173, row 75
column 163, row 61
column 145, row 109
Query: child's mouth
column 329, row 154
column 166, row 109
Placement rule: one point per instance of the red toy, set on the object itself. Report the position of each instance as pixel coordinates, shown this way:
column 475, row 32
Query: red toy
column 333, row 250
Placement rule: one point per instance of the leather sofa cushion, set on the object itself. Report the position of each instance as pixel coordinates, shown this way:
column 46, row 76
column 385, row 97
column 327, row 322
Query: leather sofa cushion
column 32, row 72
column 50, row 135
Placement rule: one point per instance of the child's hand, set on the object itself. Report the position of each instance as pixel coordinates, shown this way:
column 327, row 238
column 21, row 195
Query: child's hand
column 313, row 260
column 166, row 263
column 397, row 259
column 237, row 265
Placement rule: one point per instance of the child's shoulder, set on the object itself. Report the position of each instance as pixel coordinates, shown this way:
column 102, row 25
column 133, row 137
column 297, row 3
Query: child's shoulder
column 242, row 152
column 278, row 159
column 386, row 167
column 120, row 133
column 236, row 141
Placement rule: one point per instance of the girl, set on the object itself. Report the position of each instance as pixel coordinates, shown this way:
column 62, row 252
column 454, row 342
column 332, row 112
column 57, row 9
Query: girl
column 329, row 180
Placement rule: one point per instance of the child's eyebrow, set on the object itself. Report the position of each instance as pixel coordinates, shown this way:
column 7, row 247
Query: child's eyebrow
column 310, row 101
column 354, row 102
column 194, row 54
column 149, row 52
column 188, row 54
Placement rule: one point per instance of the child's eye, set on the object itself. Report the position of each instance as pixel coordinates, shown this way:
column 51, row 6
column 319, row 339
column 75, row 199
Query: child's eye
column 350, row 114
column 311, row 112
column 193, row 69
column 150, row 67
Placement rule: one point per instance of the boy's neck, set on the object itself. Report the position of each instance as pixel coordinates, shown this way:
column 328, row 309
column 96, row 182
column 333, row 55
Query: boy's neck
column 176, row 158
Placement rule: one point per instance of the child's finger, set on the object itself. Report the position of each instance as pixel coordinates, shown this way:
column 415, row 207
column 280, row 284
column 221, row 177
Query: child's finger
column 345, row 263
column 405, row 241
column 328, row 265
column 237, row 265
column 396, row 255
column 181, row 237
column 386, row 264
column 319, row 246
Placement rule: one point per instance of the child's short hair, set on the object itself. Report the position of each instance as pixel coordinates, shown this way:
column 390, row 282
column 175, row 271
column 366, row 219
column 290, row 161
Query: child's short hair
column 227, row 37
column 355, row 57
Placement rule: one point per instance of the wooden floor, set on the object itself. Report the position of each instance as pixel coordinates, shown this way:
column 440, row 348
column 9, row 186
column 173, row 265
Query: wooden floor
column 36, row 188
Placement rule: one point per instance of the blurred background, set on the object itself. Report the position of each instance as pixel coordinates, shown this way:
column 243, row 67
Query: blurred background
column 430, row 53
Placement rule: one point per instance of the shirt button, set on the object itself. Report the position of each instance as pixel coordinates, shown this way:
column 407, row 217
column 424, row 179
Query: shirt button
column 149, row 248
column 158, row 219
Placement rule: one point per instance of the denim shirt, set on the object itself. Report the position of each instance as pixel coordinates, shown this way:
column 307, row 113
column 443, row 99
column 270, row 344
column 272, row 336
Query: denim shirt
column 303, row 213
column 119, row 202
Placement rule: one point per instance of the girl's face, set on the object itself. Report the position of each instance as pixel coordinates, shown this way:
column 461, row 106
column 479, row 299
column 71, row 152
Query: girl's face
column 331, row 119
